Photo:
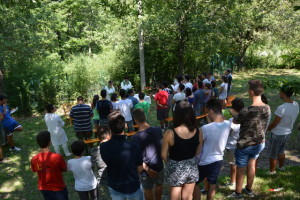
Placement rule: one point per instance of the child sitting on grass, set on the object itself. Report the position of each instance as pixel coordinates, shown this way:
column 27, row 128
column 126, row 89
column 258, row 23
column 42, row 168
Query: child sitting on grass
column 81, row 166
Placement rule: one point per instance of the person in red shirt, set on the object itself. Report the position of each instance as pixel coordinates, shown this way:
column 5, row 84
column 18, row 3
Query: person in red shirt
column 49, row 167
column 161, row 99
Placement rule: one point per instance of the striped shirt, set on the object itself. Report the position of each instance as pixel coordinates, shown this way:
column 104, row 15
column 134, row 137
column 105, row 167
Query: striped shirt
column 81, row 114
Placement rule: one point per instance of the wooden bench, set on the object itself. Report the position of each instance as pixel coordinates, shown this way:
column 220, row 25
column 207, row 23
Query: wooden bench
column 229, row 101
column 90, row 141
column 198, row 117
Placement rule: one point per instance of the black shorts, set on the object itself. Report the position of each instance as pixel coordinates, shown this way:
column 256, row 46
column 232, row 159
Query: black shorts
column 84, row 135
column 162, row 114
column 210, row 171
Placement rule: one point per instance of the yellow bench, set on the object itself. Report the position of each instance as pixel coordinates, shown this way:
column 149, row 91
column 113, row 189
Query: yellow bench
column 97, row 139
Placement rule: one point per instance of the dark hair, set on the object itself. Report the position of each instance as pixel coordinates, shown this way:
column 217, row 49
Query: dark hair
column 181, row 86
column 188, row 92
column 225, row 79
column 116, row 122
column 208, row 85
column 187, row 77
column 184, row 114
column 110, row 81
column 126, row 77
column 213, row 84
column 80, row 98
column 179, row 78
column 256, row 86
column 165, row 84
column 215, row 105
column 264, row 99
column 113, row 97
column 77, row 147
column 49, row 108
column 2, row 97
column 102, row 132
column 122, row 93
column 43, row 139
column 103, row 93
column 95, row 99
column 237, row 104
column 287, row 89
column 130, row 91
column 139, row 115
column 209, row 74
column 200, row 84
column 204, row 74
column 228, row 70
column 159, row 86
column 141, row 96
column 199, row 77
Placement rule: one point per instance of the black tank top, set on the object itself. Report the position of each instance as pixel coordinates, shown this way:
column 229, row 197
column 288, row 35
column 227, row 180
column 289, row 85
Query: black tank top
column 184, row 149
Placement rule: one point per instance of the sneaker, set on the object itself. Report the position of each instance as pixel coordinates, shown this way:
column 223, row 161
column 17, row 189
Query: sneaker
column 281, row 168
column 203, row 191
column 235, row 196
column 15, row 149
column 229, row 185
column 271, row 173
column 69, row 154
column 250, row 193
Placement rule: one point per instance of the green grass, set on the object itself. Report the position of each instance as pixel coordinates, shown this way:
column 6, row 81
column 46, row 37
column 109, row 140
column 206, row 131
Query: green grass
column 17, row 182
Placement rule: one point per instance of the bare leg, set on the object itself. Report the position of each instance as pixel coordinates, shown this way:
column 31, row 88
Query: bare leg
column 187, row 191
column 232, row 173
column 1, row 153
column 211, row 191
column 196, row 193
column 206, row 184
column 11, row 141
column 281, row 159
column 162, row 124
column 239, row 179
column 250, row 173
column 158, row 192
column 148, row 193
column 20, row 128
column 175, row 193
column 272, row 164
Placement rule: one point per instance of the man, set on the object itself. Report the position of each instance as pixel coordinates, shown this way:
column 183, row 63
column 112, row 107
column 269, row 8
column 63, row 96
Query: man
column 144, row 105
column 110, row 89
column 124, row 161
column 132, row 98
column 179, row 79
column 254, row 121
column 10, row 125
column 104, row 107
column 199, row 98
column 49, row 167
column 126, row 84
column 161, row 99
column 82, row 114
column 229, row 77
column 149, row 139
column 187, row 82
column 207, row 79
column 281, row 128
column 125, row 106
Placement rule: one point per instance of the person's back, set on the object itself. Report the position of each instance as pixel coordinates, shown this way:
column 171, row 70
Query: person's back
column 199, row 99
column 145, row 106
column 104, row 107
column 125, row 106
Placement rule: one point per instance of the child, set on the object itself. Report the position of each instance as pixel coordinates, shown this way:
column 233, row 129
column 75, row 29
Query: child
column 223, row 90
column 215, row 136
column 143, row 104
column 114, row 101
column 207, row 92
column 214, row 90
column 190, row 96
column 55, row 127
column 81, row 166
column 237, row 106
column 49, row 167
column 96, row 118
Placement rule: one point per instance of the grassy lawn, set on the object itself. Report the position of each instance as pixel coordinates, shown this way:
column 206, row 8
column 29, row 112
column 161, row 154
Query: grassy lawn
column 17, row 182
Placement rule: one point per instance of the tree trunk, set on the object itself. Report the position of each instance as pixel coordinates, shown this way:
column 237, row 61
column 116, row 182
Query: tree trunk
column 1, row 76
column 141, row 47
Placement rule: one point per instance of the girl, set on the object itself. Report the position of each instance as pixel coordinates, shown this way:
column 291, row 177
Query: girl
column 190, row 96
column 96, row 118
column 55, row 127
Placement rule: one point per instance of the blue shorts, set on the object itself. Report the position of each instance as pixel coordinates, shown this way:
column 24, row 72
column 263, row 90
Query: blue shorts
column 242, row 156
column 210, row 171
column 12, row 126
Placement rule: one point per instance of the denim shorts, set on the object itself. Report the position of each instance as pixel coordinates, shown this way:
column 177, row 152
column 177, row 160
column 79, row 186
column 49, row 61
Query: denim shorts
column 277, row 145
column 242, row 156
column 138, row 195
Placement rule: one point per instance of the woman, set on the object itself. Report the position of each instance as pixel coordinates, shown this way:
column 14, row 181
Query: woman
column 110, row 89
column 182, row 144
column 55, row 127
column 96, row 118
column 190, row 96
column 223, row 91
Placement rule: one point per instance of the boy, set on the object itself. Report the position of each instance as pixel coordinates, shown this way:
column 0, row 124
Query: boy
column 149, row 139
column 104, row 107
column 237, row 106
column 10, row 125
column 161, row 99
column 144, row 105
column 281, row 128
column 125, row 106
column 49, row 167
column 215, row 136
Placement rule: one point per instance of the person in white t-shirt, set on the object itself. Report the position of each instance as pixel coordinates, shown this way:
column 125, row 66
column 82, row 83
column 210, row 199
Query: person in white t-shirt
column 207, row 79
column 223, row 90
column 281, row 127
column 81, row 166
column 237, row 106
column 110, row 89
column 215, row 137
column 125, row 106
column 126, row 84
column 179, row 96
column 179, row 79
column 187, row 83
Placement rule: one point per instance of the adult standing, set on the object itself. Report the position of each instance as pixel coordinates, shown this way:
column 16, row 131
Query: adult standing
column 179, row 80
column 254, row 121
column 281, row 128
column 125, row 106
column 228, row 74
column 187, row 81
column 81, row 115
column 131, row 97
column 124, row 161
column 179, row 96
column 126, row 84
column 110, row 89
column 199, row 99
column 223, row 90
column 182, row 144
column 104, row 107
column 161, row 99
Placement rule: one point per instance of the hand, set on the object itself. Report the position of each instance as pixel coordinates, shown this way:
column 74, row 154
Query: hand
column 152, row 173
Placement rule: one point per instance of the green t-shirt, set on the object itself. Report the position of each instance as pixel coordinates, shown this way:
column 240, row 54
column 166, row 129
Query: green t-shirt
column 96, row 114
column 143, row 105
column 226, row 114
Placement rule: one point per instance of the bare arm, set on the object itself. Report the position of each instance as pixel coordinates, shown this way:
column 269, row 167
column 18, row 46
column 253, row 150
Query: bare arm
column 140, row 169
column 221, row 90
column 167, row 141
column 199, row 148
column 274, row 123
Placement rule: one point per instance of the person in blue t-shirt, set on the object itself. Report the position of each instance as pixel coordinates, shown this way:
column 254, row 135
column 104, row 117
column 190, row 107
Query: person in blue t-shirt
column 199, row 99
column 10, row 125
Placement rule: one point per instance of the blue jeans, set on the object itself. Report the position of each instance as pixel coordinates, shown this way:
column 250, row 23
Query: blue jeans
column 138, row 195
column 242, row 156
column 55, row 195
